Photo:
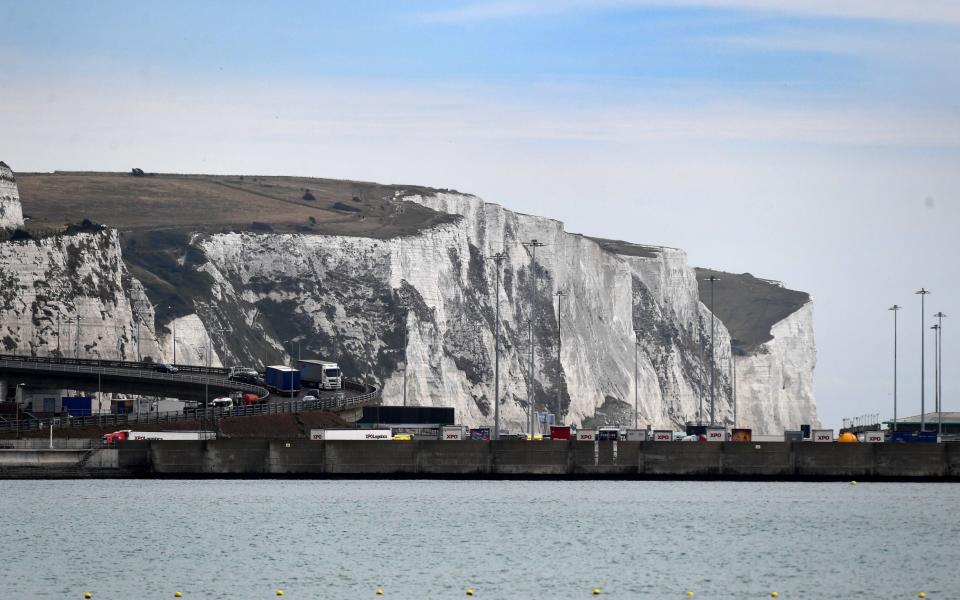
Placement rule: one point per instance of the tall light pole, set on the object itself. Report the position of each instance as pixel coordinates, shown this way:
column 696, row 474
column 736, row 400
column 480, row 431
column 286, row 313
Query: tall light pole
column 939, row 381
column 174, row 322
column 77, row 351
column 497, row 259
column 560, row 294
column 936, row 376
column 923, row 371
column 636, row 378
column 532, row 245
column 403, row 304
column 895, row 308
column 733, row 383
column 713, row 359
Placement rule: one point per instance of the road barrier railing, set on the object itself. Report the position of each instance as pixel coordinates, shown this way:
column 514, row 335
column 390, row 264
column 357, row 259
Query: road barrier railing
column 122, row 364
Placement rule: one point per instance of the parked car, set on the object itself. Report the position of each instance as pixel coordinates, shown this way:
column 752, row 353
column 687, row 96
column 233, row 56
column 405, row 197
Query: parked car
column 310, row 398
column 165, row 368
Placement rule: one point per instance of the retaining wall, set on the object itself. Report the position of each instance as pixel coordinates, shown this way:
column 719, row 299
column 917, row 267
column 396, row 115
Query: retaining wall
column 552, row 459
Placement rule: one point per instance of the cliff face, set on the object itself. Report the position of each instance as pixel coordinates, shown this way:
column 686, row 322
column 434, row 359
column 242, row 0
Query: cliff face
column 424, row 305
column 775, row 382
column 353, row 299
column 11, row 214
column 46, row 285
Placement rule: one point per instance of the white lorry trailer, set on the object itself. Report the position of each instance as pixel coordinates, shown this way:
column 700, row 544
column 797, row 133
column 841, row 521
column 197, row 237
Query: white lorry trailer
column 128, row 434
column 350, row 434
column 325, row 374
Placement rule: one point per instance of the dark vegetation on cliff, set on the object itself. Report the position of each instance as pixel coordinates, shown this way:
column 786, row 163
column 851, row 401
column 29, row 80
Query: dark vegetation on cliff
column 749, row 306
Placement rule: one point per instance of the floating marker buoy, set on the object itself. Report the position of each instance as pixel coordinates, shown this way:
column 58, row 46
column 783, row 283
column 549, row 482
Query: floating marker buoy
column 279, row 592
column 87, row 595
column 469, row 591
column 379, row 591
column 774, row 594
column 853, row 483
column 922, row 595
column 596, row 591
column 690, row 594
column 177, row 594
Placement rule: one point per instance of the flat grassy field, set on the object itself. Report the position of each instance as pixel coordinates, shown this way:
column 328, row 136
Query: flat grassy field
column 222, row 203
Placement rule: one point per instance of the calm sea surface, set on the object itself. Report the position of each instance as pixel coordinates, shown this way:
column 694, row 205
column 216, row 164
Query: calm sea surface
column 432, row 539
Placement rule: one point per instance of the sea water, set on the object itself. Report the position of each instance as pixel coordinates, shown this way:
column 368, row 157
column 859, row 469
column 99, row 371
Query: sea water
column 246, row 539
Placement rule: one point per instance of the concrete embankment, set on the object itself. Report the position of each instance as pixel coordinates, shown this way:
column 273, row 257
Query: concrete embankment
column 495, row 460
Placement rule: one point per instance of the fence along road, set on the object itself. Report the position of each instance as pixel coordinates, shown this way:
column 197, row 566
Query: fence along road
column 191, row 383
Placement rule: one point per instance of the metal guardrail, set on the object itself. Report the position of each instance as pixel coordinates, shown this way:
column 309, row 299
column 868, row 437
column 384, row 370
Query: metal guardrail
column 103, row 363
column 136, row 371
column 43, row 444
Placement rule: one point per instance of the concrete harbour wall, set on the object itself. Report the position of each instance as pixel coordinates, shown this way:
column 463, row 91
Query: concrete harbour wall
column 520, row 459
column 496, row 460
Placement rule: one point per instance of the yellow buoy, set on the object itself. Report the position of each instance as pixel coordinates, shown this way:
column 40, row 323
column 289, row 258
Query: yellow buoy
column 279, row 592
column 922, row 595
column 379, row 591
column 596, row 591
column 690, row 594
column 469, row 591
column 87, row 595
column 177, row 594
column 853, row 483
column 774, row 594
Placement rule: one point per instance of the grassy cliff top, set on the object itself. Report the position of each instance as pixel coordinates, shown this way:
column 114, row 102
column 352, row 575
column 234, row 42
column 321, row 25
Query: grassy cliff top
column 749, row 306
column 216, row 203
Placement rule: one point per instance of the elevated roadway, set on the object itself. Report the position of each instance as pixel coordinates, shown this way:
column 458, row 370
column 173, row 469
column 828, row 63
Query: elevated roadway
column 190, row 383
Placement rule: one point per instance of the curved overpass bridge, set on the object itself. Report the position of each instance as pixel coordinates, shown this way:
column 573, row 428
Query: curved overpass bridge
column 189, row 383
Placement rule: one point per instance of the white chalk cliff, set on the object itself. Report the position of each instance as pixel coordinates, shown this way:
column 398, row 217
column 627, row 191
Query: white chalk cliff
column 356, row 300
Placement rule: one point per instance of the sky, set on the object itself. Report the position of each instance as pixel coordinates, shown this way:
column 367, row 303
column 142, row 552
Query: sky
column 814, row 142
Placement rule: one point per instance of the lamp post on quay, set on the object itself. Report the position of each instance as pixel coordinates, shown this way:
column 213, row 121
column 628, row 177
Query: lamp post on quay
column 923, row 343
column 939, row 379
column 531, row 407
column 560, row 294
column 895, row 308
column 636, row 379
column 497, row 259
column 936, row 378
column 713, row 359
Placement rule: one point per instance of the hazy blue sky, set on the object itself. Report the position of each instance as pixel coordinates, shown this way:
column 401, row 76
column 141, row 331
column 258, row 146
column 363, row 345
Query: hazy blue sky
column 812, row 141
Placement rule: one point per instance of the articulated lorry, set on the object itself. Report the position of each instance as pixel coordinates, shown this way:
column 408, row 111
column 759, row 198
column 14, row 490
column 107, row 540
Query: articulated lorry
column 282, row 379
column 129, row 434
column 350, row 434
column 325, row 374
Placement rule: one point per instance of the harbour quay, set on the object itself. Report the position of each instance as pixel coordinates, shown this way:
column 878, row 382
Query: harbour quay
column 481, row 459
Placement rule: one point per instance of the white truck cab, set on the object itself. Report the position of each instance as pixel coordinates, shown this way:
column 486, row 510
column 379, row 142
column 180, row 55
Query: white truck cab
column 325, row 374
